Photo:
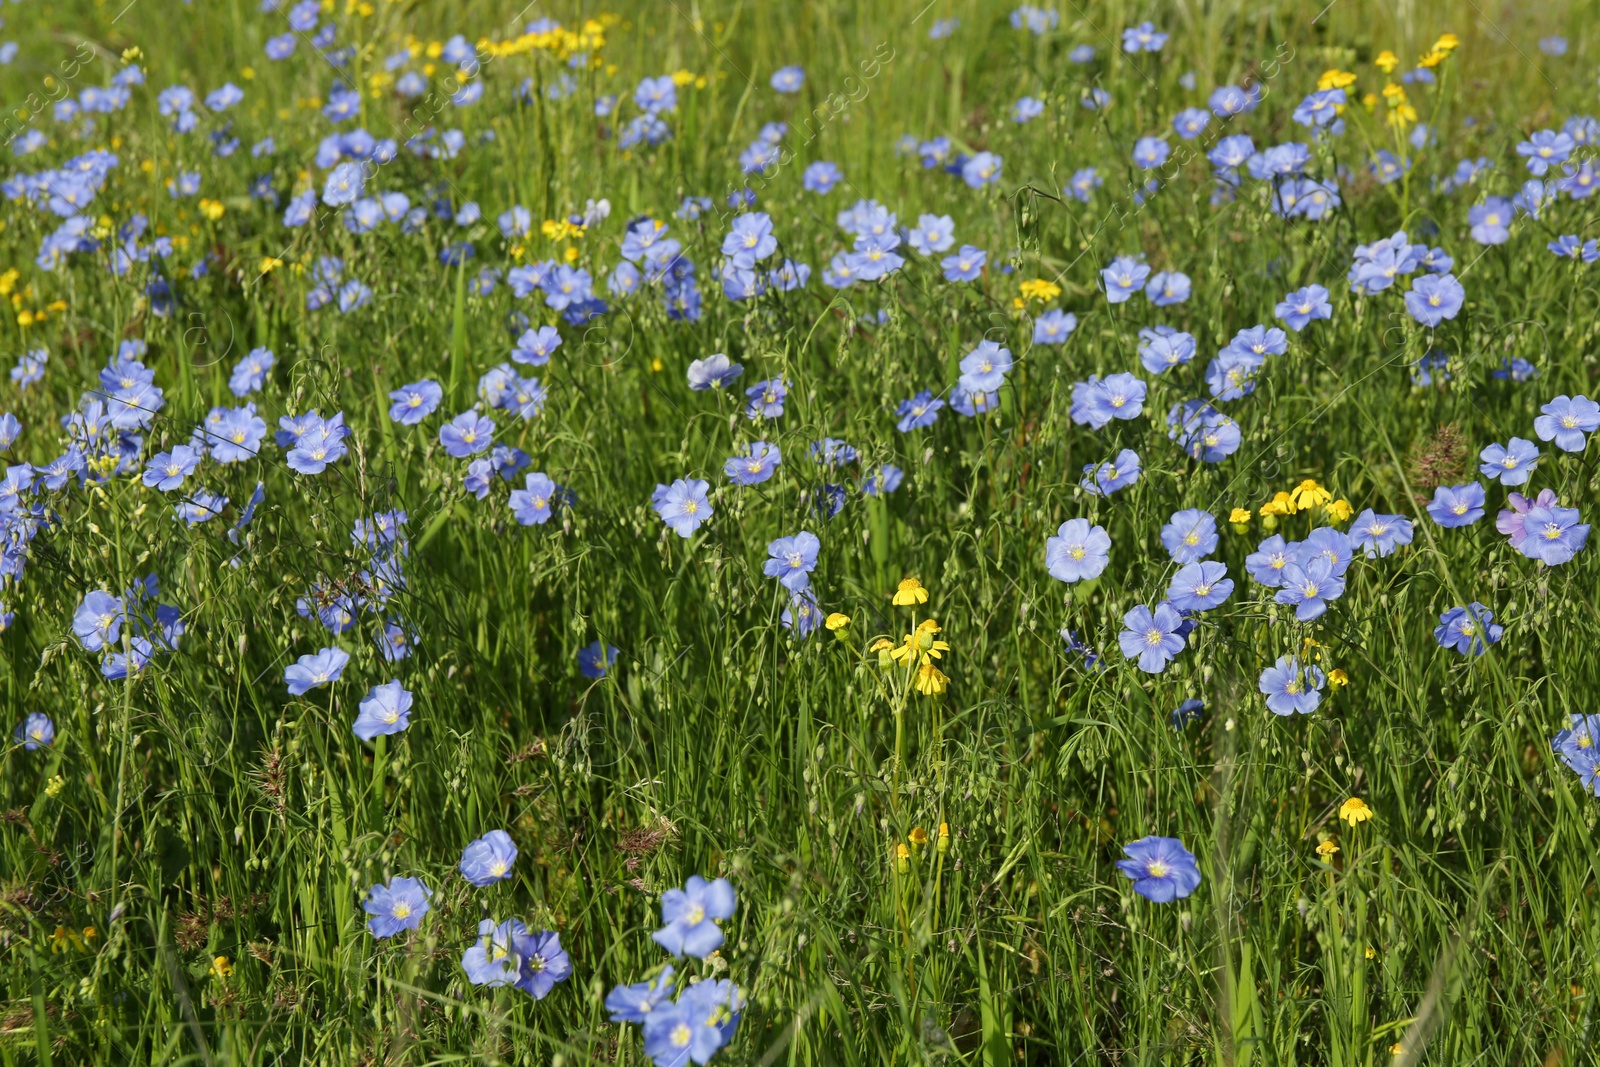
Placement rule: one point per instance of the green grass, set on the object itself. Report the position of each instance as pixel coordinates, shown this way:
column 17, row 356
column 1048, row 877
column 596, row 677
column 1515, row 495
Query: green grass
column 198, row 811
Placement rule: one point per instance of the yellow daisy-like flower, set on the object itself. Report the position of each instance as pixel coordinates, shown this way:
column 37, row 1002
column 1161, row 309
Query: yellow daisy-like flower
column 1432, row 59
column 1402, row 116
column 1334, row 78
column 222, row 967
column 1239, row 516
column 1309, row 494
column 1339, row 510
column 1355, row 811
column 909, row 593
column 212, row 209
column 1447, row 42
column 931, row 681
column 1039, row 289
column 1338, row 677
column 683, row 77
column 836, row 621
column 1386, row 61
column 270, row 264
column 1327, row 848
column 1280, row 504
column 918, row 837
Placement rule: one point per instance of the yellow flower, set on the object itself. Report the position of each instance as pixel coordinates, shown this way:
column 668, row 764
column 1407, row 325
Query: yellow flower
column 270, row 264
column 944, row 837
column 1396, row 1049
column 919, row 837
column 1280, row 504
column 1308, row 494
column 572, row 253
column 931, row 681
column 1386, row 61
column 683, row 77
column 131, row 54
column 837, row 621
column 1239, row 516
column 1338, row 677
column 1039, row 289
column 1402, row 116
column 909, row 593
column 1432, row 59
column 212, row 209
column 8, row 281
column 90, row 933
column 920, row 646
column 54, row 786
column 1369, row 101
column 1393, row 92
column 1339, row 510
column 222, row 967
column 1334, row 78
column 885, row 650
column 1447, row 42
column 902, row 858
column 1372, row 953
column 1327, row 848
column 24, row 318
column 1354, row 811
column 248, row 73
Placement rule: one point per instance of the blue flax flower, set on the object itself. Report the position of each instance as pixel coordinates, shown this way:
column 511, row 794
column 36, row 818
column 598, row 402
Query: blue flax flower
column 1509, row 464
column 532, row 505
column 400, row 905
column 756, row 466
column 1152, row 637
column 35, row 732
column 491, row 960
column 1457, row 505
column 1292, row 688
column 1161, row 868
column 1566, row 420
column 919, row 412
column 541, row 962
column 386, row 710
column 692, row 917
column 1200, row 586
column 1190, row 535
column 634, row 1003
column 683, row 505
column 1378, row 534
column 1078, row 551
column 1469, row 630
column 792, row 559
column 596, row 658
column 488, row 859
column 311, row 672
column 1309, row 587
column 1553, row 535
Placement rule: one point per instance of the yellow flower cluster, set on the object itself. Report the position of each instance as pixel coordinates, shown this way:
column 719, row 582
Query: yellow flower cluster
column 559, row 42
column 1307, row 496
column 918, row 650
column 1401, row 113
column 561, row 230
